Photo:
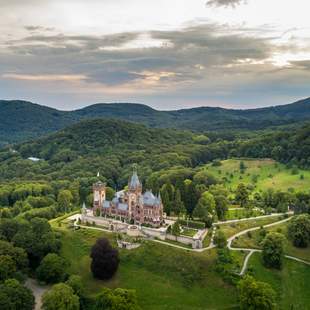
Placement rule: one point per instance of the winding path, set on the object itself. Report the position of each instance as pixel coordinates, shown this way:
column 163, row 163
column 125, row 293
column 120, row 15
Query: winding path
column 251, row 251
column 212, row 245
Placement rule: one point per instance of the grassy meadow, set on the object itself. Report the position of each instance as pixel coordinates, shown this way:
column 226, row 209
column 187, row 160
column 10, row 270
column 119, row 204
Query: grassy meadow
column 164, row 277
column 263, row 173
column 254, row 239
column 229, row 229
column 169, row 278
column 291, row 283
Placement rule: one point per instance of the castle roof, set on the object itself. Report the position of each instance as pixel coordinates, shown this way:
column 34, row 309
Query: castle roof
column 134, row 181
column 122, row 206
column 106, row 204
column 150, row 199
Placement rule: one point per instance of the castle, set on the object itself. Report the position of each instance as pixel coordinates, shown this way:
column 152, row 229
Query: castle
column 130, row 205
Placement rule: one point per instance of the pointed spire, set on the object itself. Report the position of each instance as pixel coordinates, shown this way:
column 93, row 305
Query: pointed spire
column 98, row 174
column 134, row 182
column 134, row 168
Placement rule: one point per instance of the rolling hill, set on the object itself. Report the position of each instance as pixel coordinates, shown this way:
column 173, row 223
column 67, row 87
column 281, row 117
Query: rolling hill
column 22, row 120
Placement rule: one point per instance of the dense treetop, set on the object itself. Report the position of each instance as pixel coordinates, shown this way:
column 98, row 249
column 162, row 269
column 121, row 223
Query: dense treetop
column 21, row 120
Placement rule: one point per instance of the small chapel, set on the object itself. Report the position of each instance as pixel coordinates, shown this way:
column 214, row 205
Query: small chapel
column 131, row 205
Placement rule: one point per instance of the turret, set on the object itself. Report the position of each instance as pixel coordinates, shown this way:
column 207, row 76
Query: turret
column 134, row 184
column 99, row 190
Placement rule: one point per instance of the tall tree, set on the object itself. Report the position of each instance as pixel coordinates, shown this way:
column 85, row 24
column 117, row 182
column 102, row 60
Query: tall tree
column 205, row 207
column 60, row 297
column 242, row 195
column 190, row 196
column 273, row 250
column 52, row 269
column 299, row 230
column 14, row 295
column 178, row 205
column 64, row 200
column 119, row 299
column 7, row 267
column 255, row 295
column 105, row 259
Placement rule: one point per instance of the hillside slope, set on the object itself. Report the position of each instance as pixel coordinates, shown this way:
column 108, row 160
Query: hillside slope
column 21, row 120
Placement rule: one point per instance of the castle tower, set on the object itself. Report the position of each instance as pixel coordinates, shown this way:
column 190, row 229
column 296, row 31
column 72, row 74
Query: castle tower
column 134, row 184
column 99, row 190
column 134, row 194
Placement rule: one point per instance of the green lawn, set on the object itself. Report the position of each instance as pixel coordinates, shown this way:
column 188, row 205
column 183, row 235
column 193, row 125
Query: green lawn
column 230, row 229
column 253, row 240
column 169, row 278
column 164, row 277
column 291, row 283
column 190, row 232
column 236, row 213
column 270, row 174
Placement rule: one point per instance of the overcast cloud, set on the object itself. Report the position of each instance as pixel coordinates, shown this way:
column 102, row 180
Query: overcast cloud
column 188, row 55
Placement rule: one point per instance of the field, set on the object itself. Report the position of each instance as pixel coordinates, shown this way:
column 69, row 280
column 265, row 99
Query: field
column 253, row 240
column 164, row 277
column 291, row 283
column 268, row 174
column 230, row 229
column 239, row 213
column 169, row 278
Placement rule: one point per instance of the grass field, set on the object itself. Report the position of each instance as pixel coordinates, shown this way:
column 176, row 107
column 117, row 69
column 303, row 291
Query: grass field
column 164, row 277
column 169, row 278
column 230, row 229
column 237, row 213
column 291, row 283
column 253, row 240
column 269, row 174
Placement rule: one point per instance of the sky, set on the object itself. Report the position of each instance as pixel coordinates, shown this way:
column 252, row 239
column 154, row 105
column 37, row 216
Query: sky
column 168, row 54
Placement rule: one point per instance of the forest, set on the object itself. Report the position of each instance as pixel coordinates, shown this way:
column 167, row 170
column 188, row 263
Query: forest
column 201, row 177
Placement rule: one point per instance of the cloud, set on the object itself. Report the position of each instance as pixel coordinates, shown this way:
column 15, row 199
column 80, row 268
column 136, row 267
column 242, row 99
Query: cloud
column 201, row 61
column 225, row 3
column 32, row 28
column 46, row 77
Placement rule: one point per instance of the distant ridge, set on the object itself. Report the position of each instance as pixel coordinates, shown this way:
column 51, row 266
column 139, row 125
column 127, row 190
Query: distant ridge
column 22, row 120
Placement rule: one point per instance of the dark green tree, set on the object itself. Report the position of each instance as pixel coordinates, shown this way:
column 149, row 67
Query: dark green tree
column 52, row 269
column 7, row 267
column 64, row 200
column 76, row 283
column 242, row 195
column 255, row 295
column 60, row 297
column 176, row 229
column 118, row 299
column 15, row 296
column 299, row 230
column 273, row 250
column 220, row 239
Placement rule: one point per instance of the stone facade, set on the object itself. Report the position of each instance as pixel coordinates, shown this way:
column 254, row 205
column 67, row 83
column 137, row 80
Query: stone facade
column 130, row 205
